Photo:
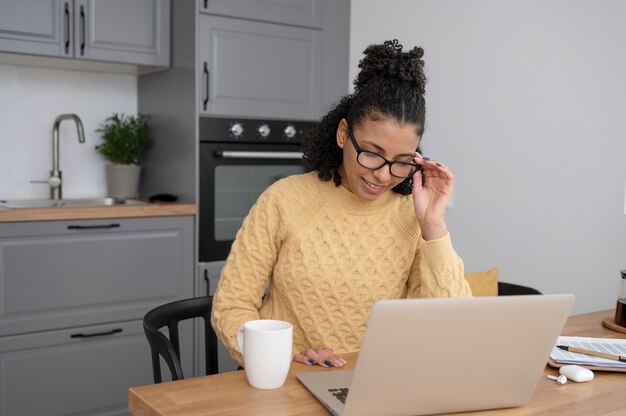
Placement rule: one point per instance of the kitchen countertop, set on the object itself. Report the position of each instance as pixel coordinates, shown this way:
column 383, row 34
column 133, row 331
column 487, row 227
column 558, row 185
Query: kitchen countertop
column 88, row 213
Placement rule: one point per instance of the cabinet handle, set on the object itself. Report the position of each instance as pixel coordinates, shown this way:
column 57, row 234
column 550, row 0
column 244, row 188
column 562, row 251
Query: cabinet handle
column 82, row 30
column 205, row 90
column 67, row 29
column 97, row 334
column 92, row 227
column 206, row 4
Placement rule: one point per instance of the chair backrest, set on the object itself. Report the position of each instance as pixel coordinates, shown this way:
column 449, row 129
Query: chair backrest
column 169, row 315
column 486, row 284
column 511, row 289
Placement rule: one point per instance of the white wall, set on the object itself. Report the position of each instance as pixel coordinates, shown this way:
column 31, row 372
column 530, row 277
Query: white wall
column 526, row 102
column 30, row 100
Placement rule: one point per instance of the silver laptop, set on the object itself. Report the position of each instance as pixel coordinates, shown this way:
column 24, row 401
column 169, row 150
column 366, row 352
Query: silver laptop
column 430, row 356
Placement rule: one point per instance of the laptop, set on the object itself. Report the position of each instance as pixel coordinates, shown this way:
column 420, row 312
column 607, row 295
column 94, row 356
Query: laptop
column 431, row 356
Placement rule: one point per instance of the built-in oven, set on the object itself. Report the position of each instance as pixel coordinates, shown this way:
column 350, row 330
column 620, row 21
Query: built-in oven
column 239, row 159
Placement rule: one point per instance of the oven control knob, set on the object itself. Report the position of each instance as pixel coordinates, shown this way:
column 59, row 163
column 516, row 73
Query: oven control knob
column 264, row 130
column 236, row 129
column 290, row 131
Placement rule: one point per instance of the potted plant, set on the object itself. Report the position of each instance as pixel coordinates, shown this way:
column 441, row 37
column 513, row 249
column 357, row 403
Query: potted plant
column 125, row 139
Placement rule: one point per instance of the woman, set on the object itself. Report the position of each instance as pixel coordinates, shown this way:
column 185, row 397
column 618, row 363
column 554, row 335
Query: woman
column 367, row 223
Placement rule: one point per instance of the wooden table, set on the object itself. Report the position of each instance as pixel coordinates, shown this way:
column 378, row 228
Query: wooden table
column 230, row 394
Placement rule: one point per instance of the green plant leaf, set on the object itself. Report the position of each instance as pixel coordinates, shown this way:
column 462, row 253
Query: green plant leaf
column 125, row 139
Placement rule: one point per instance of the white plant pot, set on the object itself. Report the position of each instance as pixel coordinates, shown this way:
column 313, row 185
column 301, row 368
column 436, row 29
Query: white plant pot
column 122, row 181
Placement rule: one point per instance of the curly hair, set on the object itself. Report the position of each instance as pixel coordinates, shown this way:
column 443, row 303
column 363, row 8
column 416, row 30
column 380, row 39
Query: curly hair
column 390, row 85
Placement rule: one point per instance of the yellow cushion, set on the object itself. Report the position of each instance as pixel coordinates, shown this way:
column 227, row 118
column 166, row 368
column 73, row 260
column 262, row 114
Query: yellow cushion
column 484, row 283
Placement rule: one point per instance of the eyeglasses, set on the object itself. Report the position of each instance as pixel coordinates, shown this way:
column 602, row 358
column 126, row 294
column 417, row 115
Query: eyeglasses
column 374, row 161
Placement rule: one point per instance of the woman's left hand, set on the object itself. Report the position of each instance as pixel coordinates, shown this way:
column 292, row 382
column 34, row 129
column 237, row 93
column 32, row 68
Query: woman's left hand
column 325, row 357
column 431, row 200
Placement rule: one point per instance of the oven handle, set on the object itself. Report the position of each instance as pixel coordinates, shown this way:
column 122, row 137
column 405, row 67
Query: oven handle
column 230, row 154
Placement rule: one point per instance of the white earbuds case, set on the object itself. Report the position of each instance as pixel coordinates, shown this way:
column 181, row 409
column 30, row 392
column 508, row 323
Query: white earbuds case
column 576, row 373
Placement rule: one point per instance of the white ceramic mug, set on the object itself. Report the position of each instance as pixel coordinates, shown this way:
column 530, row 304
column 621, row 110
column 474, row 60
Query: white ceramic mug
column 266, row 348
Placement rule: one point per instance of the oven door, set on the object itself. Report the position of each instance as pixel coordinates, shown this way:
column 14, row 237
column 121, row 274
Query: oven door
column 232, row 176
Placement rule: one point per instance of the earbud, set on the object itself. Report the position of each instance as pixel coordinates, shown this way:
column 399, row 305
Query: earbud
column 560, row 379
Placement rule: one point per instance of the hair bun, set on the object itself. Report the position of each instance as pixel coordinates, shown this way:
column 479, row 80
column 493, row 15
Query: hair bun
column 387, row 61
column 393, row 44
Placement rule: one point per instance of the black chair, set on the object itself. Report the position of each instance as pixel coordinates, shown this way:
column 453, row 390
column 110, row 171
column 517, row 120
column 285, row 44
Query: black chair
column 510, row 289
column 169, row 315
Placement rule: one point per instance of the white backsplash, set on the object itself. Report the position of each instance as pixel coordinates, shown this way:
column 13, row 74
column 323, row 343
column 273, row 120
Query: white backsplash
column 30, row 100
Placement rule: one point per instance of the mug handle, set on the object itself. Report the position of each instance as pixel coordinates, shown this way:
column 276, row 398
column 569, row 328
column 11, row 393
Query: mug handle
column 240, row 339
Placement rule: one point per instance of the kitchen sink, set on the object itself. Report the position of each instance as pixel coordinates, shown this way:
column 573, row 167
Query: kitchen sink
column 67, row 203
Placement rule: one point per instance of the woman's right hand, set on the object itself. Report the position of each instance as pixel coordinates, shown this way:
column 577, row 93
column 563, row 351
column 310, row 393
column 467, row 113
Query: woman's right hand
column 432, row 199
column 320, row 356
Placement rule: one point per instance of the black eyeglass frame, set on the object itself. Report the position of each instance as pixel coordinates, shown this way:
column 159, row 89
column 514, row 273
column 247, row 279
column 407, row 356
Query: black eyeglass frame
column 360, row 150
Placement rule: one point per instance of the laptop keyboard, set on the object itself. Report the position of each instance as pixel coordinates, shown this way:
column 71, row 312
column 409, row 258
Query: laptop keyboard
column 340, row 393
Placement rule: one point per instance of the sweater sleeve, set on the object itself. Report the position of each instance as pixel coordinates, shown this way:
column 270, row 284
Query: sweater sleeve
column 247, row 272
column 437, row 271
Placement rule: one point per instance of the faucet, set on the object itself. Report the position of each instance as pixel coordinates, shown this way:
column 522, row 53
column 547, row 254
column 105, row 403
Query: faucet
column 55, row 181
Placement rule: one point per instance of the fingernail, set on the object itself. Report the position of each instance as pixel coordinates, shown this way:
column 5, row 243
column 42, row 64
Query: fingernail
column 338, row 363
column 426, row 158
column 438, row 164
column 328, row 363
column 312, row 361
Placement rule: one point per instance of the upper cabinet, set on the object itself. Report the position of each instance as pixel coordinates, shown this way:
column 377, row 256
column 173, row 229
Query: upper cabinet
column 128, row 31
column 259, row 69
column 34, row 27
column 133, row 32
column 305, row 13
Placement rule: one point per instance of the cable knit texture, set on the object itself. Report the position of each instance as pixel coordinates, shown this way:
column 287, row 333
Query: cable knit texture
column 327, row 257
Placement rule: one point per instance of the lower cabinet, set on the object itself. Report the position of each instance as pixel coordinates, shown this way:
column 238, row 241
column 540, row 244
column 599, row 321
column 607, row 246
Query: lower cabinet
column 72, row 298
column 60, row 373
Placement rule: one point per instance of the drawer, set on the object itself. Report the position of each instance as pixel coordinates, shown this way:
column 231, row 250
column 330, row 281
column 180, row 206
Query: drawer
column 62, row 274
column 51, row 373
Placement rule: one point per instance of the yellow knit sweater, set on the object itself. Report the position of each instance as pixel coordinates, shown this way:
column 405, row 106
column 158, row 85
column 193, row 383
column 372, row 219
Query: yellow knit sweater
column 327, row 256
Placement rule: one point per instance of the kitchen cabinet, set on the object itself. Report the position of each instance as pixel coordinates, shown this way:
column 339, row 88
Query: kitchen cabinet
column 54, row 373
column 313, row 62
column 34, row 27
column 258, row 69
column 121, row 31
column 74, row 294
column 305, row 13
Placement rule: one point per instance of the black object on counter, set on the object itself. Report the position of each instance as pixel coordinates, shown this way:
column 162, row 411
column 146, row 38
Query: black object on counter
column 163, row 198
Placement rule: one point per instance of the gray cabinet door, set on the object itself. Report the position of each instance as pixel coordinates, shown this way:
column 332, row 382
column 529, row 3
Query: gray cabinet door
column 36, row 27
column 258, row 69
column 125, row 31
column 292, row 12
column 59, row 373
column 61, row 274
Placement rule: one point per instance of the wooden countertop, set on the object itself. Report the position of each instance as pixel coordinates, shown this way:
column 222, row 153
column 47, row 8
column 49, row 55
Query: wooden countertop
column 88, row 213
